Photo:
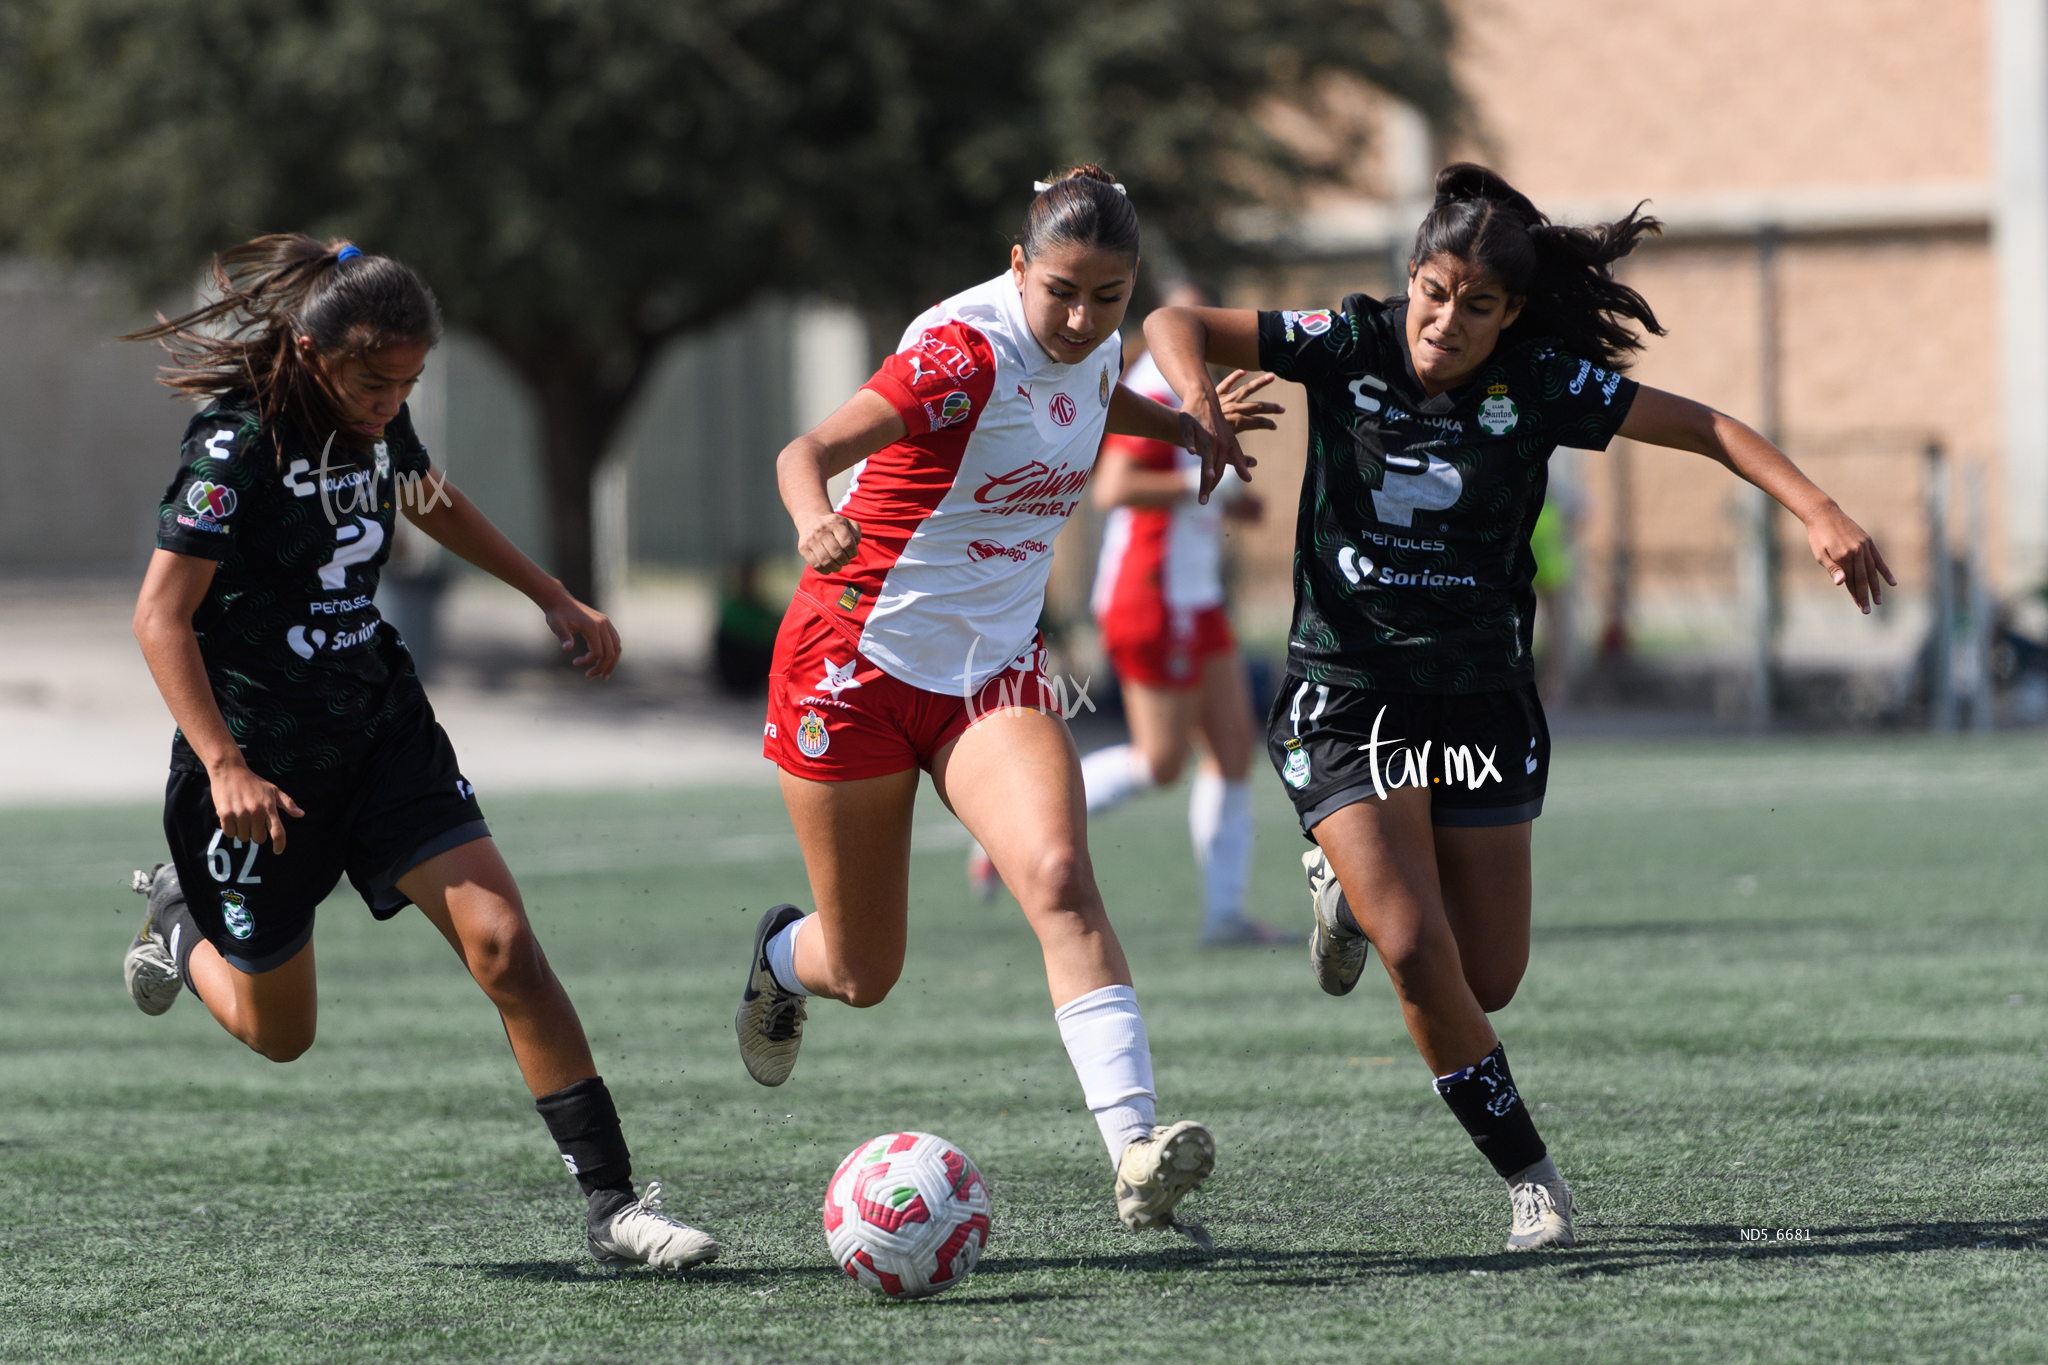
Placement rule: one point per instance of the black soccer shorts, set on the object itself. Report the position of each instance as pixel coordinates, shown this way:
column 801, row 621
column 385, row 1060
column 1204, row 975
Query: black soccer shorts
column 402, row 802
column 1484, row 756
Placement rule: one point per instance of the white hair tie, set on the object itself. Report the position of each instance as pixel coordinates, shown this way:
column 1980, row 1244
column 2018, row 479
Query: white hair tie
column 1041, row 186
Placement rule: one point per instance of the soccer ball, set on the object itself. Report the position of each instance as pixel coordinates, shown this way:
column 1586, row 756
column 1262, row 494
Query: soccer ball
column 906, row 1215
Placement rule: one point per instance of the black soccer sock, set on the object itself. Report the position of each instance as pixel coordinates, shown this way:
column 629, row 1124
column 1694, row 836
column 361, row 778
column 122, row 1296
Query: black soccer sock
column 585, row 1127
column 184, row 935
column 1486, row 1102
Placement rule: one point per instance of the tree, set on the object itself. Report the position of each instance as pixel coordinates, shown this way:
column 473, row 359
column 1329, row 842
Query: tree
column 582, row 180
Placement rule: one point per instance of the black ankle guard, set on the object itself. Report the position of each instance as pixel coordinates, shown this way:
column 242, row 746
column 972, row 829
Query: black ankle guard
column 1485, row 1100
column 585, row 1127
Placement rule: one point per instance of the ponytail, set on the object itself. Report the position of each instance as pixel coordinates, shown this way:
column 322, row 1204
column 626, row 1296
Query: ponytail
column 271, row 291
column 1084, row 208
column 1563, row 275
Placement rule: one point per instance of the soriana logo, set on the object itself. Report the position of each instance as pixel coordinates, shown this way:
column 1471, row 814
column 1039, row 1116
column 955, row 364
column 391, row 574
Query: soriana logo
column 1063, row 409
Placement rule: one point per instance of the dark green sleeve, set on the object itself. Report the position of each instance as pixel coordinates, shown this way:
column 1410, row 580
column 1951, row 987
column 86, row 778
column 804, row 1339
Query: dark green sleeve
column 1583, row 404
column 1310, row 346
column 217, row 470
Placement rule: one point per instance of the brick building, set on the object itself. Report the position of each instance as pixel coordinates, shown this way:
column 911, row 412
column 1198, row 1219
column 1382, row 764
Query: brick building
column 1855, row 260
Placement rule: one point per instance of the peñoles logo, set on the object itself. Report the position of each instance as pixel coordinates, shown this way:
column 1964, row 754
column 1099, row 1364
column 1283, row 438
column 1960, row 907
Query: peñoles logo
column 1033, row 489
column 1062, row 410
column 988, row 549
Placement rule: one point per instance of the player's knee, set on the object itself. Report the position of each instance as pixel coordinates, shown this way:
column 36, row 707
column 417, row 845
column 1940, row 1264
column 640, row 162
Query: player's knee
column 1059, row 879
column 506, row 963
column 286, row 1044
column 1167, row 767
column 864, row 989
column 1494, row 988
column 1413, row 960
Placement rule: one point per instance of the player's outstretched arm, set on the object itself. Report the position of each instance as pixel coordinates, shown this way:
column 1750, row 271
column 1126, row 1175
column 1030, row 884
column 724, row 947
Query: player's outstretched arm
column 863, row 424
column 459, row 524
column 1121, row 482
column 249, row 807
column 1839, row 545
column 1184, row 343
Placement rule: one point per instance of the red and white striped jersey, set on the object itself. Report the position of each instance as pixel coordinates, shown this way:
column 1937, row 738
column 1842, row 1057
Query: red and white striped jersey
column 957, row 519
column 1159, row 561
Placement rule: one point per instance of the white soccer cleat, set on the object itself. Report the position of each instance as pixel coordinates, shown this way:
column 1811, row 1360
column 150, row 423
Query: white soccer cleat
column 642, row 1234
column 1336, row 952
column 1157, row 1172
column 151, row 965
column 770, row 1024
column 1543, row 1208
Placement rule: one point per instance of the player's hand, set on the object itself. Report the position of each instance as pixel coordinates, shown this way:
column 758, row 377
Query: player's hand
column 250, row 808
column 1240, row 410
column 1850, row 556
column 829, row 543
column 1246, row 507
column 1216, row 445
column 569, row 618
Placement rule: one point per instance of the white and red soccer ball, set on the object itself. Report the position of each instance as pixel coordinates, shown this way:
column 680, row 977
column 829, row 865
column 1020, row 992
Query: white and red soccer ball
column 906, row 1215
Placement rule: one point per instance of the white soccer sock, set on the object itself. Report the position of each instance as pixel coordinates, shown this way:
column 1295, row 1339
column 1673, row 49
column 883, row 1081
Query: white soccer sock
column 1221, row 826
column 1105, row 1038
column 1113, row 775
column 782, row 957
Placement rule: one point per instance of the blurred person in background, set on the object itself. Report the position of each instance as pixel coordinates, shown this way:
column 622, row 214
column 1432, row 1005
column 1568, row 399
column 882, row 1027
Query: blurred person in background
column 1158, row 602
column 1551, row 541
column 1408, row 731
column 306, row 747
column 743, row 645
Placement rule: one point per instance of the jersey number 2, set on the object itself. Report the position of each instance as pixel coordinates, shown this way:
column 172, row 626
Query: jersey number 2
column 220, row 862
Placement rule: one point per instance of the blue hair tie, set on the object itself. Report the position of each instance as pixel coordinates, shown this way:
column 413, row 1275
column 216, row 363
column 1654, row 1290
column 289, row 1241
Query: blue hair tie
column 347, row 253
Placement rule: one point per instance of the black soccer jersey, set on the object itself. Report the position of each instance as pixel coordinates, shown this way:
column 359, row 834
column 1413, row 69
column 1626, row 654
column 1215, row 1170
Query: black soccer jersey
column 302, row 667
column 1412, row 567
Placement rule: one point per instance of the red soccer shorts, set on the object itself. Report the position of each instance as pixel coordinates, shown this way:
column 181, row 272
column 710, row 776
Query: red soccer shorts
column 835, row 717
column 1163, row 656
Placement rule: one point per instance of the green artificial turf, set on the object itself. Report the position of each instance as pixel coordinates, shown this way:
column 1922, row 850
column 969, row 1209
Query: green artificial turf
column 1798, row 987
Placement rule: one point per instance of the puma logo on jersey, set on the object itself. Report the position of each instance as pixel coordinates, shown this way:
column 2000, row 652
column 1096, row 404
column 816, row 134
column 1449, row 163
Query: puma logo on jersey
column 1413, row 484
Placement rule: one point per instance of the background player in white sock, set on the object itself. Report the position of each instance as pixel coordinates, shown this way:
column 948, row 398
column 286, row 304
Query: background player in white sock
column 1159, row 603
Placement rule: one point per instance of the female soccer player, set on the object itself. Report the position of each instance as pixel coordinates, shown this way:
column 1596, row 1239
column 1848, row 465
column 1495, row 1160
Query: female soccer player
column 1409, row 732
column 912, row 644
column 1158, row 602
column 305, row 745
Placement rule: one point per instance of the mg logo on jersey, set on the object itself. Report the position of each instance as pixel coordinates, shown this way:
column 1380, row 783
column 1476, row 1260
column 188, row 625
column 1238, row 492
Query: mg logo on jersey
column 1035, row 488
column 1063, row 409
